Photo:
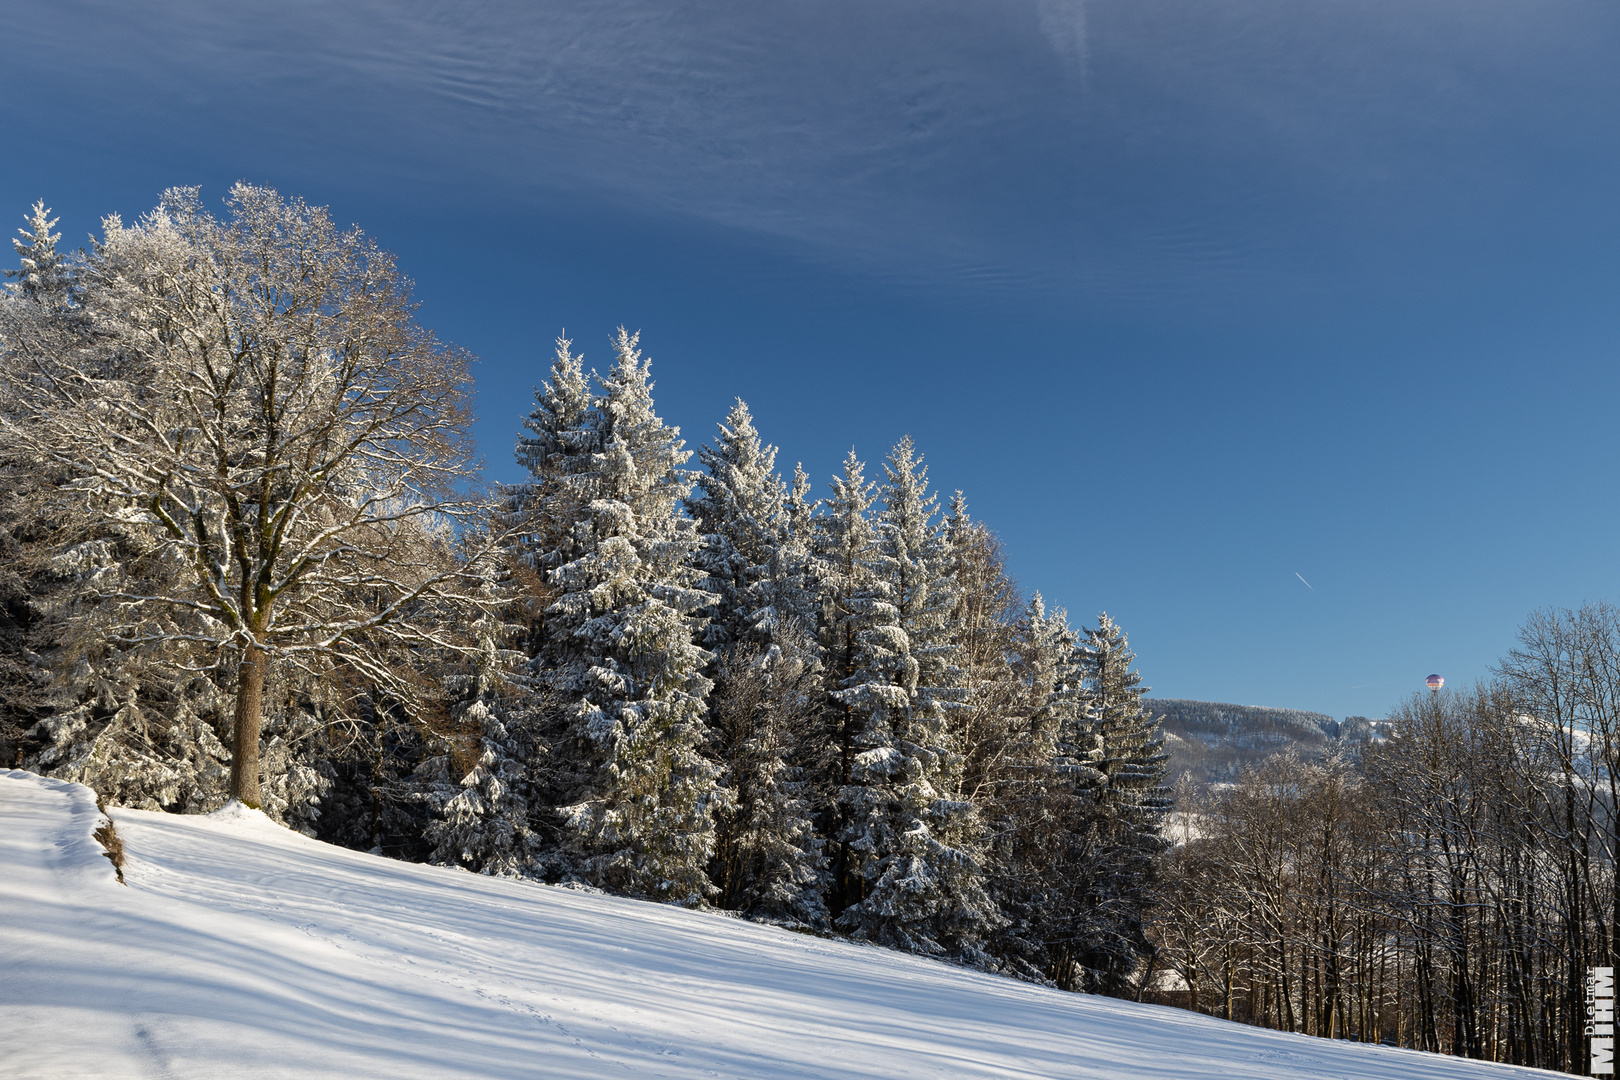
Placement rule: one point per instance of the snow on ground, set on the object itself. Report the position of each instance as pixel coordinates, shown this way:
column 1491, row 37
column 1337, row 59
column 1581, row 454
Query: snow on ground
column 240, row 948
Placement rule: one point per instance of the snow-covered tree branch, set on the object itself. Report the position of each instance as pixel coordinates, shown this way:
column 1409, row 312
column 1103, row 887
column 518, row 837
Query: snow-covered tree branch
column 253, row 397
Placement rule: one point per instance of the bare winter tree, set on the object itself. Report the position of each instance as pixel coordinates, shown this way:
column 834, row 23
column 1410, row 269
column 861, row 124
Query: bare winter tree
column 1444, row 888
column 1564, row 680
column 253, row 397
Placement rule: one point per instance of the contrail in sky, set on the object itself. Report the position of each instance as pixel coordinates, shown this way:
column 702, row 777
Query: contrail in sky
column 1302, row 578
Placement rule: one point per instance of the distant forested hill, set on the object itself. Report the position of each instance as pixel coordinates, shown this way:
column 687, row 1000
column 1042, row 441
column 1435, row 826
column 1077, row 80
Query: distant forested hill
column 1212, row 741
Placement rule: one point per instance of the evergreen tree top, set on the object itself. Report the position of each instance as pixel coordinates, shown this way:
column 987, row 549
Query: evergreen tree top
column 846, row 528
column 741, row 516
column 648, row 474
column 800, row 507
column 739, row 444
column 1114, row 689
column 913, row 544
column 957, row 519
column 740, row 484
column 906, row 497
column 563, row 419
column 43, row 273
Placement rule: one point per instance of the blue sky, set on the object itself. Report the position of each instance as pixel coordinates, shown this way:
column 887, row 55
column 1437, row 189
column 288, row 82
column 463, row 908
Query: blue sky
column 1192, row 299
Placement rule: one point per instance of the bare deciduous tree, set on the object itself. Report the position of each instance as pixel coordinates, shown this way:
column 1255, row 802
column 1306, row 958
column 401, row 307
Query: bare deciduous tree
column 254, row 395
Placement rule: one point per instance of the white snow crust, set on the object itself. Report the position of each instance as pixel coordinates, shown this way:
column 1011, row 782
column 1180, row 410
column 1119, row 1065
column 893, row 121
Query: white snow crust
column 240, row 948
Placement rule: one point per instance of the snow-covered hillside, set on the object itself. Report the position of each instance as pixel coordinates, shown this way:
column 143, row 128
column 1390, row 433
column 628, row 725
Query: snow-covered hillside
column 239, row 948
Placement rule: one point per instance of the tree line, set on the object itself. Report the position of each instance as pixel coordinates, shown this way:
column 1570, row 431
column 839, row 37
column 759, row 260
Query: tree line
column 247, row 555
column 1445, row 889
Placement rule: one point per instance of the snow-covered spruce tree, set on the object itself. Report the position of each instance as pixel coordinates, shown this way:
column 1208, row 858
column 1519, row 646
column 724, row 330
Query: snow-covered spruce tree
column 254, row 399
column 914, row 841
column 1115, row 753
column 795, row 592
column 45, row 276
column 768, row 857
column 565, row 434
column 770, row 862
column 635, row 797
column 843, row 550
column 31, row 303
column 1009, row 655
column 1132, row 756
column 1049, row 850
column 548, row 514
column 489, row 778
column 755, row 536
column 800, row 509
column 480, row 786
column 738, row 511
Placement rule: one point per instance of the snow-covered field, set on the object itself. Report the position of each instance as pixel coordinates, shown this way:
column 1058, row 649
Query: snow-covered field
column 239, row 948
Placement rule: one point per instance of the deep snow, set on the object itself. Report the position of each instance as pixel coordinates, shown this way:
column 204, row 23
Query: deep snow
column 240, row 948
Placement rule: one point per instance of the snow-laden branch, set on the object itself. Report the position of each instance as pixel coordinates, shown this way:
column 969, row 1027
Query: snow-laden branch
column 253, row 395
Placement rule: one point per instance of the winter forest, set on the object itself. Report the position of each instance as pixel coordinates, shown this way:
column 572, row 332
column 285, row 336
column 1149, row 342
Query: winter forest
column 248, row 554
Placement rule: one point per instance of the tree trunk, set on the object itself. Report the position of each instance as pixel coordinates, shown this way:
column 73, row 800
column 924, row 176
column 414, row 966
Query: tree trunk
column 1192, row 976
column 1231, row 982
column 249, row 701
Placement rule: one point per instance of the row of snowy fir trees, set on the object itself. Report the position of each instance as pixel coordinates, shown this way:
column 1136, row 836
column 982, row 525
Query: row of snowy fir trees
column 828, row 714
column 700, row 686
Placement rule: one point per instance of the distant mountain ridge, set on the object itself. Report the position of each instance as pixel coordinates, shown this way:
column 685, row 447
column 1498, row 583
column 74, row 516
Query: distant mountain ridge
column 1211, row 741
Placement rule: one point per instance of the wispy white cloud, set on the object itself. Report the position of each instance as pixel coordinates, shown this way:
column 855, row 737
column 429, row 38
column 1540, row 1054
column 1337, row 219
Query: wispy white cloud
column 1063, row 22
column 912, row 139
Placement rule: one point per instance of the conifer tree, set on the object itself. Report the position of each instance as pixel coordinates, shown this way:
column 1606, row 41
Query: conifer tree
column 636, row 796
column 1033, row 801
column 914, row 839
column 770, row 861
column 800, row 510
column 45, row 275
column 794, row 596
column 565, row 431
column 843, row 548
column 30, row 510
column 769, row 857
column 1129, row 749
column 562, row 455
column 739, row 516
column 481, row 806
column 1127, row 805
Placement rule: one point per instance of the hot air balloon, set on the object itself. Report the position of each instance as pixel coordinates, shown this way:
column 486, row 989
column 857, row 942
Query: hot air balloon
column 1435, row 682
